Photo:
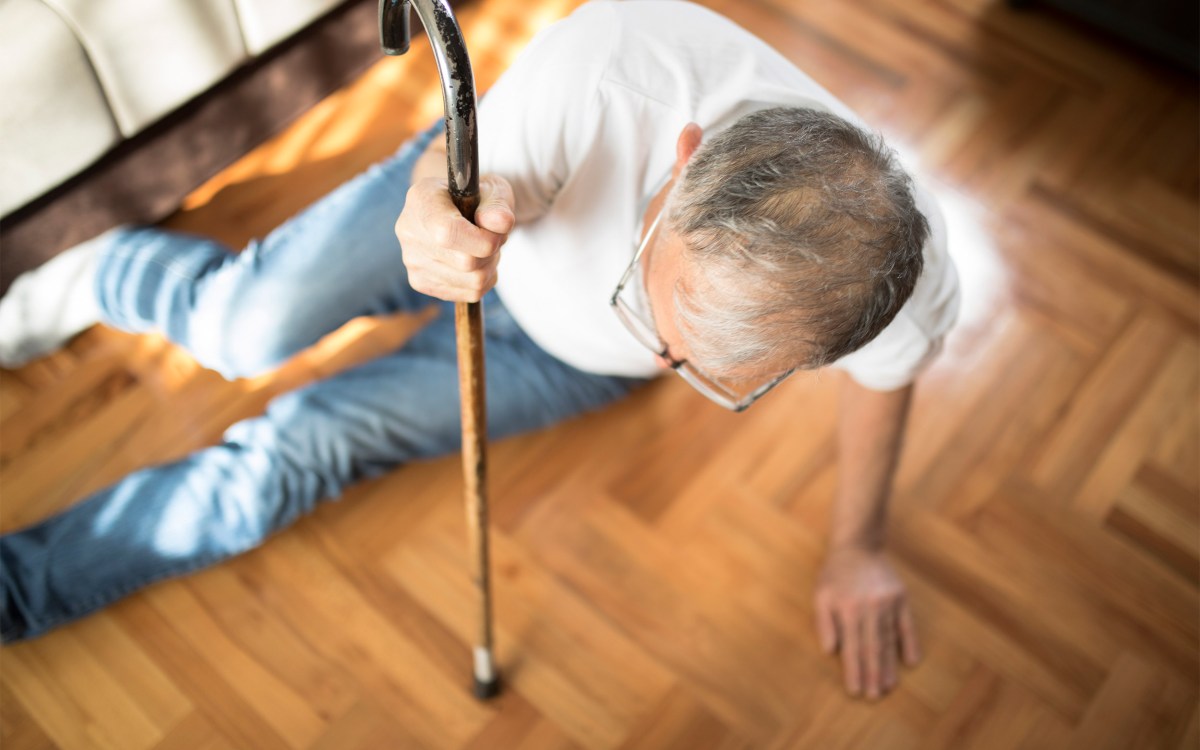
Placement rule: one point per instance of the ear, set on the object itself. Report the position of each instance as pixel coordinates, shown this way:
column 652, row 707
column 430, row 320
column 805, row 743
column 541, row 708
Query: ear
column 689, row 141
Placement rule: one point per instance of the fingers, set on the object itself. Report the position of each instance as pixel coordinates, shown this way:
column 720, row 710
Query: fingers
column 447, row 256
column 826, row 626
column 908, row 635
column 449, row 231
column 495, row 212
column 851, row 651
column 454, row 287
column 888, row 651
column 870, row 646
column 862, row 611
column 872, row 656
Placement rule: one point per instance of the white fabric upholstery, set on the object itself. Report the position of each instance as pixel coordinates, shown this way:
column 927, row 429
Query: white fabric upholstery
column 268, row 22
column 54, row 119
column 79, row 76
column 153, row 55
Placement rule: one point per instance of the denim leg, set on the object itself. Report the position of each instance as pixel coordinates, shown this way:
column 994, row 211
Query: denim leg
column 309, row 446
column 244, row 313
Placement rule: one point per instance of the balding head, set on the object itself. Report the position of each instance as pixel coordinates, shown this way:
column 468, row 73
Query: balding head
column 802, row 242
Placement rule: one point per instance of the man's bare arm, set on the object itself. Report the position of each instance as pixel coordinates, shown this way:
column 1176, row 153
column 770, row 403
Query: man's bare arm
column 861, row 604
column 870, row 435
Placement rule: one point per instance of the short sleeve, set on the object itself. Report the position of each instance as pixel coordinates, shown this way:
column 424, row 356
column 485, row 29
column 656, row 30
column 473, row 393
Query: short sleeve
column 913, row 339
column 894, row 358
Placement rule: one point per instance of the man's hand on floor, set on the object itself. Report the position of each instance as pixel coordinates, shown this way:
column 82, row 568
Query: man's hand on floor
column 862, row 611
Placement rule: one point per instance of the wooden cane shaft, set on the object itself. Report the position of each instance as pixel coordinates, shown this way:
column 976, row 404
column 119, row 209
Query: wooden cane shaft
column 468, row 326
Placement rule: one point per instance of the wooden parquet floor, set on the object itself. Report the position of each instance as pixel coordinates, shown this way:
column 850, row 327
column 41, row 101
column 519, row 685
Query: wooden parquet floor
column 654, row 562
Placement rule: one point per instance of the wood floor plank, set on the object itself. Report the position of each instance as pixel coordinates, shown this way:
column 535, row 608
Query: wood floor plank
column 846, row 725
column 1177, row 446
column 280, row 705
column 1190, row 736
column 19, row 730
column 279, row 651
column 1143, row 607
column 1140, row 522
column 75, row 699
column 578, row 671
column 366, row 726
column 1093, row 254
column 745, row 672
column 1148, row 424
column 1101, row 403
column 1039, row 654
column 1114, row 716
column 680, row 722
column 990, row 439
column 337, row 620
column 193, row 732
column 518, row 724
column 1159, row 507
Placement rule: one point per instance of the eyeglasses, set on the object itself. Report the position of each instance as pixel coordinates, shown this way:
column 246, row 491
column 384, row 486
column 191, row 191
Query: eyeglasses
column 631, row 302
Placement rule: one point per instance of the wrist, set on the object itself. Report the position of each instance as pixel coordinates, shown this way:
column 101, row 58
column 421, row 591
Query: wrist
column 868, row 541
column 853, row 550
column 858, row 523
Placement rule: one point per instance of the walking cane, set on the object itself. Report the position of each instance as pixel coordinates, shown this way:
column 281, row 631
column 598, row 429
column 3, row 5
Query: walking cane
column 462, row 148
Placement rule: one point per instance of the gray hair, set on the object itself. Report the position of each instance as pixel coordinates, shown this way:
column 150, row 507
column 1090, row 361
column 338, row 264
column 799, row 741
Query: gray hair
column 802, row 237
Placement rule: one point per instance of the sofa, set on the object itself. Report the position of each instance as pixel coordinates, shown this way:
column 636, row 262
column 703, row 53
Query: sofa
column 113, row 110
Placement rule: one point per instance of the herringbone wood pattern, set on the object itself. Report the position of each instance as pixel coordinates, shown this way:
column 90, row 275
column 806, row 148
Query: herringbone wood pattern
column 654, row 562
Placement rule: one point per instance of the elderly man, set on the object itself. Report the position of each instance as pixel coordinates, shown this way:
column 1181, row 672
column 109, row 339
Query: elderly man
column 668, row 192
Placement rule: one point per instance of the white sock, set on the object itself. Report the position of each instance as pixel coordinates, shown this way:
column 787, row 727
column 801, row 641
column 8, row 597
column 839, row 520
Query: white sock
column 46, row 307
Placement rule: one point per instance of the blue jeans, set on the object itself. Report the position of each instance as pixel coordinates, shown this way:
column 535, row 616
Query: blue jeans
column 242, row 314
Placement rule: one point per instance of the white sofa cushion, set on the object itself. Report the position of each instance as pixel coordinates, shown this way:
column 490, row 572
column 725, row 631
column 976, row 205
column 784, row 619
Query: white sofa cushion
column 267, row 22
column 54, row 119
column 153, row 55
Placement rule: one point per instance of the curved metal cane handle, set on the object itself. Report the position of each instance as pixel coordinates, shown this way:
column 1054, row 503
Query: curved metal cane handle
column 458, row 87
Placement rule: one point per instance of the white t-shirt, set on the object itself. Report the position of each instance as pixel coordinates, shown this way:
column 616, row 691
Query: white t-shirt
column 584, row 126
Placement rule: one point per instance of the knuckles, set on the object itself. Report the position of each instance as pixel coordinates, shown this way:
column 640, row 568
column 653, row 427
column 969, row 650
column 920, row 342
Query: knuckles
column 464, row 263
column 477, row 282
column 445, row 256
column 445, row 234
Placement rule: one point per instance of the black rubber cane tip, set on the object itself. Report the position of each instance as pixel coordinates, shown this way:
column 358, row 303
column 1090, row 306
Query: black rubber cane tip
column 487, row 690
